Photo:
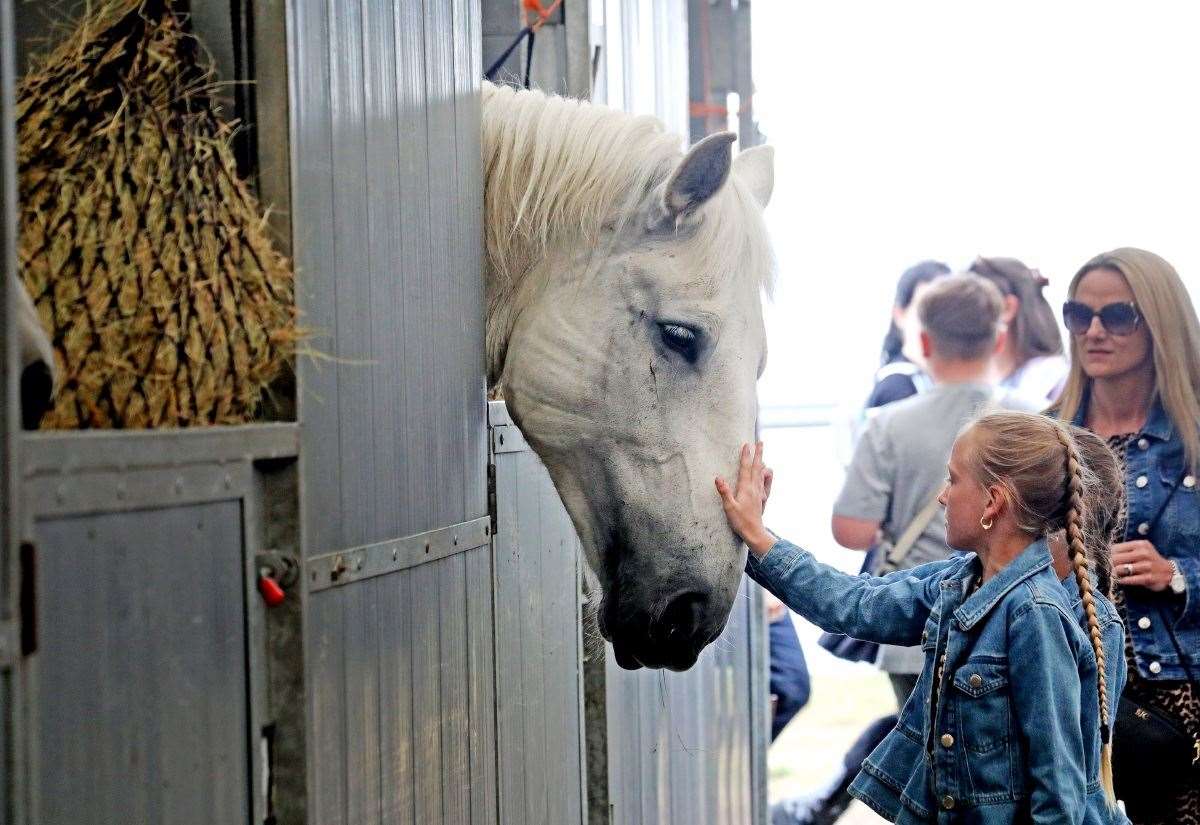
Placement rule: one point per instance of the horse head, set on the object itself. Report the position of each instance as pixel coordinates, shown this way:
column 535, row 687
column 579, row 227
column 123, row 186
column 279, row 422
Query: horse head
column 629, row 359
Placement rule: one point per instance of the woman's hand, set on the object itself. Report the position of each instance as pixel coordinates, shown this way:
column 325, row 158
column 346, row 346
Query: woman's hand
column 744, row 505
column 1139, row 564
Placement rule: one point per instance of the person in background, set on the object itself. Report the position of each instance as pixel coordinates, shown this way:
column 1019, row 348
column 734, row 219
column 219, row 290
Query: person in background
column 1135, row 380
column 898, row 468
column 1032, row 361
column 789, row 682
column 900, row 373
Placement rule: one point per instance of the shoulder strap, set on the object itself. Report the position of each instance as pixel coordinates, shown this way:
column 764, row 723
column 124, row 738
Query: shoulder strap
column 914, row 530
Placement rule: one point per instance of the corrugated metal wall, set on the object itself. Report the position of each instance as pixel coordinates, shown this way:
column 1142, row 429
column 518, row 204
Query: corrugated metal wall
column 539, row 684
column 682, row 746
column 387, row 196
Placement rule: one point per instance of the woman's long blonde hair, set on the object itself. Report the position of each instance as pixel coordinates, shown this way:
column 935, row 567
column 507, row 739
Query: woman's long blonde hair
column 1170, row 317
column 1036, row 461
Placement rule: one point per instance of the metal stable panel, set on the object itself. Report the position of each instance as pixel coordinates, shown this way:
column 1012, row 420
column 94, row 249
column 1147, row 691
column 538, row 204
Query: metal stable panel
column 539, row 687
column 690, row 747
column 146, row 685
column 138, row 688
column 387, row 238
column 12, row 728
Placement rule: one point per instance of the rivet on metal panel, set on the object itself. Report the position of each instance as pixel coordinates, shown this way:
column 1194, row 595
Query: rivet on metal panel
column 456, row 541
column 395, row 553
column 426, row 547
column 358, row 563
column 121, row 490
column 60, row 494
column 228, row 481
column 179, row 486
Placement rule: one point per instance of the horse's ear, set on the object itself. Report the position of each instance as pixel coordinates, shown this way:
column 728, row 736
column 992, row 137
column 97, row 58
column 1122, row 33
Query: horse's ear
column 701, row 173
column 755, row 167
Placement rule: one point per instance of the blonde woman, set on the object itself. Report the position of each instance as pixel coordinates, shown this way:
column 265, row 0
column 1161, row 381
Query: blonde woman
column 1135, row 381
column 1010, row 717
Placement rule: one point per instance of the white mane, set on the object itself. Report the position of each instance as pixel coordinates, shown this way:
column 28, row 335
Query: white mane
column 558, row 171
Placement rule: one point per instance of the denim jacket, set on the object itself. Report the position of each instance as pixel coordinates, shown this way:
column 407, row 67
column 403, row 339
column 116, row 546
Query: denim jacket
column 1154, row 467
column 1018, row 686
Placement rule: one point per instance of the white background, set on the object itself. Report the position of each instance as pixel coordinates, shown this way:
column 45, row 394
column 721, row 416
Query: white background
column 1044, row 131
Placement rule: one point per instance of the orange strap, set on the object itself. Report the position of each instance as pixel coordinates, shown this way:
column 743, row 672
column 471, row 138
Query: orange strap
column 543, row 14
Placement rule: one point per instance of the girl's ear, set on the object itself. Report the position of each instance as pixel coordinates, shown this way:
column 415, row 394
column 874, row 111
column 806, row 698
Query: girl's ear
column 997, row 503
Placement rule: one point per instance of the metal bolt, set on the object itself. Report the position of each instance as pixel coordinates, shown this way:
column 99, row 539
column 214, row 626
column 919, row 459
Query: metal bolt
column 228, row 481
column 179, row 486
column 456, row 541
column 394, row 553
column 60, row 494
column 121, row 490
column 339, row 567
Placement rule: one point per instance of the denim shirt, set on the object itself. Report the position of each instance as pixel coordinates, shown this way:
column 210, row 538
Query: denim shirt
column 1155, row 466
column 1018, row 686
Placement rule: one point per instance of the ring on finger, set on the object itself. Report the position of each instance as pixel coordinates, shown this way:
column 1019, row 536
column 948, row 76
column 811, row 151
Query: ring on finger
column 1128, row 569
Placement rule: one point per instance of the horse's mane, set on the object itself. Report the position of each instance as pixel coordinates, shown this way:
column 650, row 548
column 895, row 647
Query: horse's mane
column 558, row 171
column 559, row 167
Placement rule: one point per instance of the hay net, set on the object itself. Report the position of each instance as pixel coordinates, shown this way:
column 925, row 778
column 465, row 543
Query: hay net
column 148, row 259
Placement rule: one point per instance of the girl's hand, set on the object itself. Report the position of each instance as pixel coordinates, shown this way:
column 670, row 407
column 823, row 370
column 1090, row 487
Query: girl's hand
column 744, row 505
column 1139, row 564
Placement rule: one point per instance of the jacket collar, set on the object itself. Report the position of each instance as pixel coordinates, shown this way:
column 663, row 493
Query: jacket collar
column 1158, row 423
column 1033, row 559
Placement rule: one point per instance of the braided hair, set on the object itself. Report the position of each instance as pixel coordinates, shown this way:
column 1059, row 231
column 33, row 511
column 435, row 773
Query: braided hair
column 1051, row 488
column 1077, row 553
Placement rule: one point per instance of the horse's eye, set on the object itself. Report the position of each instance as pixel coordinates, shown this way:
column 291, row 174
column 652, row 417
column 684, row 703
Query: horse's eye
column 681, row 339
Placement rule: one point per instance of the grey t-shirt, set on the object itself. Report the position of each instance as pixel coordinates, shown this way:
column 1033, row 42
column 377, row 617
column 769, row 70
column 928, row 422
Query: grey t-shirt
column 899, row 464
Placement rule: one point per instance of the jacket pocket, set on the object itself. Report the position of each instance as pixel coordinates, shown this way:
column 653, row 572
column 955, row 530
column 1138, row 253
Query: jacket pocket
column 983, row 700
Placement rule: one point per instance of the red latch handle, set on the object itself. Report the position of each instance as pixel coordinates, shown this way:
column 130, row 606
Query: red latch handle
column 271, row 592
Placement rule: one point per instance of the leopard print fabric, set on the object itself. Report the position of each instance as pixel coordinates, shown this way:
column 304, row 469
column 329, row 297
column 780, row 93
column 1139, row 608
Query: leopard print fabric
column 1179, row 699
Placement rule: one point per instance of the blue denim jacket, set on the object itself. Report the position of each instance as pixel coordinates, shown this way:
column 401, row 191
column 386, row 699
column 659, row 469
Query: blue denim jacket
column 1154, row 466
column 1018, row 686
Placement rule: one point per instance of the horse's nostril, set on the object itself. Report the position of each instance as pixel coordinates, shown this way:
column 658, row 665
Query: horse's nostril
column 681, row 620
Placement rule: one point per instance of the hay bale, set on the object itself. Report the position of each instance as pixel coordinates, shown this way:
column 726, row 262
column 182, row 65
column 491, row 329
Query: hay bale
column 148, row 259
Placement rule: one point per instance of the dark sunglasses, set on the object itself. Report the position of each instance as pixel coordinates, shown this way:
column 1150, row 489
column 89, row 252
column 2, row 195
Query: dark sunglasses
column 1117, row 319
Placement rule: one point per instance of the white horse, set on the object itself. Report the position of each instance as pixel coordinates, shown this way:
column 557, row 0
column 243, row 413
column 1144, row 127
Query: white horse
column 624, row 324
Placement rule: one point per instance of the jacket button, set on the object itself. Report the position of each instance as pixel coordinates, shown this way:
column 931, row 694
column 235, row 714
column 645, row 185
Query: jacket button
column 1143, row 444
column 1143, row 528
column 1155, row 668
column 976, row 680
column 924, row 636
column 947, row 740
column 1144, row 624
column 947, row 802
column 1141, row 481
column 1189, row 481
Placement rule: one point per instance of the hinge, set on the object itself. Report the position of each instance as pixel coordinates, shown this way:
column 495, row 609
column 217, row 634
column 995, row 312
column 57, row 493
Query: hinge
column 491, row 487
column 28, row 597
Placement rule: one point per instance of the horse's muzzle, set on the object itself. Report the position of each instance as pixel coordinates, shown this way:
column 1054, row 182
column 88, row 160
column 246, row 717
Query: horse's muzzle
column 670, row 636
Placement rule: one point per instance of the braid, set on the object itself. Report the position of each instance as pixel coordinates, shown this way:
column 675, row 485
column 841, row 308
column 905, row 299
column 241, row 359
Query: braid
column 1077, row 552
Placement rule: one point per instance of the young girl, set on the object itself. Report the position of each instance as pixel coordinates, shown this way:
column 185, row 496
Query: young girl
column 1011, row 716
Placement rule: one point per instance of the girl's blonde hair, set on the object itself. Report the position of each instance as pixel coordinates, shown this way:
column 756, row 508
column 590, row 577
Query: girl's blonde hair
column 1036, row 461
column 1170, row 318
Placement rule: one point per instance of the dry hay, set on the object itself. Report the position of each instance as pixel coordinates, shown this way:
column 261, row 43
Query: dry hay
column 148, row 258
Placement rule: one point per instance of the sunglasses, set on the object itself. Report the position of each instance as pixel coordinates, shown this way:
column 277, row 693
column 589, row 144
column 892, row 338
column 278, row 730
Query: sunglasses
column 1117, row 319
